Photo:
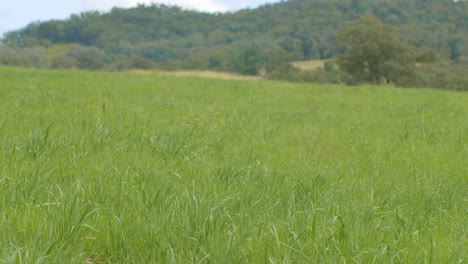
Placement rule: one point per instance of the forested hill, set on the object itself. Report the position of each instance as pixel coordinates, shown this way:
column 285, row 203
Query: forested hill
column 306, row 28
column 173, row 38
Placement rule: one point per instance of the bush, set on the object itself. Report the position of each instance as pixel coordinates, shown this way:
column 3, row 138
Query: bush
column 87, row 57
column 63, row 62
column 250, row 61
column 26, row 57
column 329, row 74
column 286, row 72
column 124, row 62
column 443, row 75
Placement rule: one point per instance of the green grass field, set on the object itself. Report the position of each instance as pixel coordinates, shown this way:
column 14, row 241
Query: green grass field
column 153, row 168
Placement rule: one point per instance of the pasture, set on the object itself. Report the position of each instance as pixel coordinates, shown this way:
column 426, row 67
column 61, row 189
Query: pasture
column 309, row 64
column 153, row 168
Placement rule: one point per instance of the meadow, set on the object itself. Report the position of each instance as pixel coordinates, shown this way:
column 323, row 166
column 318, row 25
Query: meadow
column 309, row 65
column 153, row 168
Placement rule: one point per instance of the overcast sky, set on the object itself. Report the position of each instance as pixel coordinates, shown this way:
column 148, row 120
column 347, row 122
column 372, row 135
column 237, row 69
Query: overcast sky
column 15, row 14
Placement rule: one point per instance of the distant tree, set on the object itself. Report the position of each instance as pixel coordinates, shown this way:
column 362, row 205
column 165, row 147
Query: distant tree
column 132, row 61
column 250, row 60
column 454, row 47
column 427, row 55
column 140, row 62
column 218, row 59
column 85, row 28
column 278, row 67
column 374, row 51
column 155, row 52
column 307, row 48
column 277, row 60
column 51, row 30
column 288, row 44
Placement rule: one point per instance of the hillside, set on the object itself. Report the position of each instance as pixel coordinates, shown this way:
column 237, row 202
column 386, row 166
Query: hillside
column 416, row 43
column 104, row 167
column 305, row 28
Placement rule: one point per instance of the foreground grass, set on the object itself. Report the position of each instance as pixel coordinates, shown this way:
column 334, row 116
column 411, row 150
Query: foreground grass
column 131, row 168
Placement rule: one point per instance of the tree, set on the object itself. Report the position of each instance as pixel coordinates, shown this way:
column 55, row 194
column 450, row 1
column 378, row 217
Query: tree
column 125, row 62
column 250, row 60
column 279, row 59
column 374, row 51
column 85, row 28
column 51, row 30
column 455, row 51
column 307, row 48
column 218, row 59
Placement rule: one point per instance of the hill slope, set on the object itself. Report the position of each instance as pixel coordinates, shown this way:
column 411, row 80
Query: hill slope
column 305, row 28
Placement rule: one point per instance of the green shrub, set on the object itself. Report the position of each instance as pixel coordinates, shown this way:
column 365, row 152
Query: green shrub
column 63, row 62
column 87, row 57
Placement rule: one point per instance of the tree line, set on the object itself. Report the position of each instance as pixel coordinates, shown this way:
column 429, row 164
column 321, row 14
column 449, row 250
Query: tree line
column 255, row 41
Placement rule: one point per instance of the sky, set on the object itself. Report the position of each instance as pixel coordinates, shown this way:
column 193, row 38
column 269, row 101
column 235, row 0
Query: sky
column 15, row 14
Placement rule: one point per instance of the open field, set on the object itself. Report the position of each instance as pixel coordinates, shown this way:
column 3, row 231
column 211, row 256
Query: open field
column 204, row 74
column 154, row 168
column 309, row 64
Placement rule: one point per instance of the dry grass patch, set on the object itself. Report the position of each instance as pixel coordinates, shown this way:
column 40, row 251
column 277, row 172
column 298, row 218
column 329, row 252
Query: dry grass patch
column 204, row 74
column 309, row 64
column 212, row 74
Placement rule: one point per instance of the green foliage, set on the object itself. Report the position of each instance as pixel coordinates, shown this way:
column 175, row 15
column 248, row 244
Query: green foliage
column 157, row 53
column 277, row 60
column 87, row 57
column 307, row 47
column 330, row 73
column 124, row 62
column 443, row 75
column 63, row 62
column 286, row 72
column 454, row 47
column 50, row 30
column 427, row 55
column 103, row 167
column 250, row 60
column 306, row 29
column 219, row 59
column 85, row 28
column 24, row 57
column 374, row 52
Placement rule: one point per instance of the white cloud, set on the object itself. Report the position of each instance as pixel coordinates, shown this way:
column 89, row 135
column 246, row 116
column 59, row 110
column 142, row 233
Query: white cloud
column 201, row 5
